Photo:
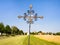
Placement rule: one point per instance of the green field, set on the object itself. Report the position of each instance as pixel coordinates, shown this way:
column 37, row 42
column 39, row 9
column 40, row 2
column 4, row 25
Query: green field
column 23, row 40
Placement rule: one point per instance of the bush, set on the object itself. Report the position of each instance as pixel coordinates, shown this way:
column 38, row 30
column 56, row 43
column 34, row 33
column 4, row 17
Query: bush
column 58, row 33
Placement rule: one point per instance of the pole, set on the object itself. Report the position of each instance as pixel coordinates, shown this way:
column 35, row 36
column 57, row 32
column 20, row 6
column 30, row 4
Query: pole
column 29, row 34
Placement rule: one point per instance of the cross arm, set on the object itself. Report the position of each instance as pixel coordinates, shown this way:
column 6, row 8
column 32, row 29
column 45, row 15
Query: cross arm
column 41, row 17
column 20, row 16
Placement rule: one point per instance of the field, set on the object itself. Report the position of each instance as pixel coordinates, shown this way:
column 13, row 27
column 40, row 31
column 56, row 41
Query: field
column 17, row 40
column 50, row 38
column 23, row 40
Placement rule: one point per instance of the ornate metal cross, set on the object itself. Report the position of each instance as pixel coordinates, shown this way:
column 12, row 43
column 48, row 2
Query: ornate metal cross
column 30, row 16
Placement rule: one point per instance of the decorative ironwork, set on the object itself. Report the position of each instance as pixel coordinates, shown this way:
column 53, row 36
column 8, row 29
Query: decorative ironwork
column 29, row 16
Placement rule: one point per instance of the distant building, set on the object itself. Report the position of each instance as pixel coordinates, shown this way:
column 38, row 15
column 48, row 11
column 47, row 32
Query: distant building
column 39, row 33
column 0, row 33
column 27, row 33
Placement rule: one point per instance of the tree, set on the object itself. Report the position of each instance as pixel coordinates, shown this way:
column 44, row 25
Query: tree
column 21, row 32
column 7, row 29
column 50, row 33
column 1, row 28
column 40, row 32
column 54, row 33
column 32, row 33
column 58, row 33
column 25, row 33
column 15, row 30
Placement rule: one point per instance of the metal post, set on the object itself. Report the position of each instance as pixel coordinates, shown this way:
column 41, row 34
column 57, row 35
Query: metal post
column 29, row 34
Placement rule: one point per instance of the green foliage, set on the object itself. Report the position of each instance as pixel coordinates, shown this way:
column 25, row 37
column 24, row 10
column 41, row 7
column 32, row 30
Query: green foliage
column 58, row 33
column 39, row 31
column 1, row 28
column 15, row 30
column 25, row 33
column 7, row 29
column 50, row 33
column 21, row 32
column 34, row 33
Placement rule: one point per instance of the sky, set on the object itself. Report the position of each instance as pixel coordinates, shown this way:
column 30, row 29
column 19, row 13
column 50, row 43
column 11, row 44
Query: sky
column 50, row 9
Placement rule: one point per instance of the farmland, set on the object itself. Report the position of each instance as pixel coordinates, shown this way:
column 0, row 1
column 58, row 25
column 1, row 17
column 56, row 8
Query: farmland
column 50, row 38
column 23, row 40
column 36, row 41
column 16, row 40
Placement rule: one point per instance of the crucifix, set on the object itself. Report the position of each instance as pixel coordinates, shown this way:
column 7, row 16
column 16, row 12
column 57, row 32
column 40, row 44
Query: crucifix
column 30, row 17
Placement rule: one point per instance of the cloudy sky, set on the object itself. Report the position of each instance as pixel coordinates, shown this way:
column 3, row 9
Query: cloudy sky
column 50, row 9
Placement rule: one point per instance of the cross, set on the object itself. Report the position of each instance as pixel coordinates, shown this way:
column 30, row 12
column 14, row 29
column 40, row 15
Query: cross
column 30, row 16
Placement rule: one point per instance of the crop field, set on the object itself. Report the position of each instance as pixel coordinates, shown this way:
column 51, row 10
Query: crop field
column 23, row 40
column 50, row 38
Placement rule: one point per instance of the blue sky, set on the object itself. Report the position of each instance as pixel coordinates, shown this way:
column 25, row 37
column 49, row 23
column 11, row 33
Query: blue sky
column 50, row 9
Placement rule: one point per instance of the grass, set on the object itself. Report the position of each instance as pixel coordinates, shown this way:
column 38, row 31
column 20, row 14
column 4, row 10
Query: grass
column 37, row 41
column 23, row 40
column 16, row 40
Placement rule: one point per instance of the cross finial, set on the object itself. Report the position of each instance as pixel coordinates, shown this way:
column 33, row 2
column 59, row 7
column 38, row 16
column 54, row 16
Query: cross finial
column 30, row 6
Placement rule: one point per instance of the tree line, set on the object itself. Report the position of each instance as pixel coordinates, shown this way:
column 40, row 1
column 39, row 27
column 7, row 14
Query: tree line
column 44, row 33
column 7, row 30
